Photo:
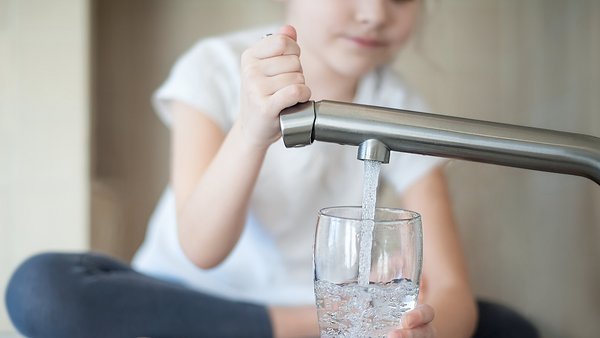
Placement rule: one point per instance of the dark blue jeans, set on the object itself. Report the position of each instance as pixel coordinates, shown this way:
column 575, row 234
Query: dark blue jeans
column 91, row 295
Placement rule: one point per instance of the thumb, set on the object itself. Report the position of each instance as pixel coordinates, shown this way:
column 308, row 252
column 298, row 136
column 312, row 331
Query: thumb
column 289, row 31
column 420, row 315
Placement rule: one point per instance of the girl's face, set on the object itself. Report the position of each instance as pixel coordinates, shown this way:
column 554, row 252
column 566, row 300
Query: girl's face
column 351, row 37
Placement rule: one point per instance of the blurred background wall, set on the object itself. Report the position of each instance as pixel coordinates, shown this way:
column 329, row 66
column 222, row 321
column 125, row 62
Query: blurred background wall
column 44, row 131
column 531, row 238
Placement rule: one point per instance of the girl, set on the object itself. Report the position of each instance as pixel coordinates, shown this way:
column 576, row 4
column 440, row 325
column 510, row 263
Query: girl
column 226, row 163
column 229, row 247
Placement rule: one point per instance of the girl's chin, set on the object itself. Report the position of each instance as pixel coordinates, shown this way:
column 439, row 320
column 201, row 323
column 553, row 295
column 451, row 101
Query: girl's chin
column 356, row 64
column 354, row 69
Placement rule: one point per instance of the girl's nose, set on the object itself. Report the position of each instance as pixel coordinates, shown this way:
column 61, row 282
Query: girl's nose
column 370, row 12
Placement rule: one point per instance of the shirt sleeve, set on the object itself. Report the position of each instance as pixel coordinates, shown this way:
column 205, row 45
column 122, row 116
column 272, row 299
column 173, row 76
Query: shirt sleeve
column 405, row 169
column 206, row 78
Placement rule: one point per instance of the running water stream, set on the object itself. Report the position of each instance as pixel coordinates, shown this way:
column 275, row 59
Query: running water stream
column 371, row 180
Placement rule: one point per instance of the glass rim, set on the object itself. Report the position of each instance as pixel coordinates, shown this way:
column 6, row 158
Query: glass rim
column 411, row 215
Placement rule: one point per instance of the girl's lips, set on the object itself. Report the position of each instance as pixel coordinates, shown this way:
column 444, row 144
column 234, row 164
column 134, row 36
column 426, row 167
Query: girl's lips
column 366, row 42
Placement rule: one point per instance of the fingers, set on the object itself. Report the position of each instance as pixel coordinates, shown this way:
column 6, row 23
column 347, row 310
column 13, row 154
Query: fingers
column 272, row 71
column 426, row 331
column 289, row 96
column 273, row 45
column 279, row 65
column 289, row 31
column 416, row 323
column 420, row 315
column 266, row 78
column 271, row 80
column 271, row 85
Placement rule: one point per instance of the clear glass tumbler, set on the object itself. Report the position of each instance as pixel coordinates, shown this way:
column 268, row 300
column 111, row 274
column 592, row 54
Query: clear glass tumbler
column 347, row 309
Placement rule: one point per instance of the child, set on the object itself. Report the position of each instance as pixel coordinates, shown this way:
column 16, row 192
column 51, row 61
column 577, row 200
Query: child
column 227, row 162
column 233, row 233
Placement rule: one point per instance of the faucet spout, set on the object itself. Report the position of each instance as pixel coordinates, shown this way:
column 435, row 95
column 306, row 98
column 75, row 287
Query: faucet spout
column 373, row 150
column 374, row 129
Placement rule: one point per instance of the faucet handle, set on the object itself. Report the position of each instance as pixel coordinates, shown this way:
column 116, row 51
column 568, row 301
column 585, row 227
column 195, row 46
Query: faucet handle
column 297, row 123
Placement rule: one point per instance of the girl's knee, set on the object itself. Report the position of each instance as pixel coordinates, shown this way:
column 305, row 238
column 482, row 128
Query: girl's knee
column 36, row 291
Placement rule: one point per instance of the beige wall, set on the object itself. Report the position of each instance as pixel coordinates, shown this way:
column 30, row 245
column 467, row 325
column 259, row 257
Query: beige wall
column 44, row 113
column 531, row 238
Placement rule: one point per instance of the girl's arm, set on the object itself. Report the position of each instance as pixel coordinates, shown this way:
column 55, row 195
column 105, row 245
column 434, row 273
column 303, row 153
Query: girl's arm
column 445, row 282
column 213, row 174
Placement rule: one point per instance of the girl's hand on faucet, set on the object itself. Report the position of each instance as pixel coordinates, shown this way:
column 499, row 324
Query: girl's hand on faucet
column 416, row 323
column 271, row 80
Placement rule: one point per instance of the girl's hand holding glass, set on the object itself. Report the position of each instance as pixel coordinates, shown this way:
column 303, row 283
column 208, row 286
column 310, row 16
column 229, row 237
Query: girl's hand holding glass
column 272, row 79
column 416, row 323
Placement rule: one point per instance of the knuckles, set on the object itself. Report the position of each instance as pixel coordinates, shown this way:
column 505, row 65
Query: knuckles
column 299, row 78
column 250, row 69
column 246, row 56
column 299, row 92
column 296, row 63
column 279, row 44
column 268, row 94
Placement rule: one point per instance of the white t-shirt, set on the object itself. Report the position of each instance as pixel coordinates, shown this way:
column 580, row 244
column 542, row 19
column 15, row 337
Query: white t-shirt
column 272, row 262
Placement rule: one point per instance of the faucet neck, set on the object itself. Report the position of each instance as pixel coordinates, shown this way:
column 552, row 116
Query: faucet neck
column 378, row 130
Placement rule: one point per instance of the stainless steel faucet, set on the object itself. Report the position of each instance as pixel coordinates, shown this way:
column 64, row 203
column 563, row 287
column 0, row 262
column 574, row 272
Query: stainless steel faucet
column 377, row 131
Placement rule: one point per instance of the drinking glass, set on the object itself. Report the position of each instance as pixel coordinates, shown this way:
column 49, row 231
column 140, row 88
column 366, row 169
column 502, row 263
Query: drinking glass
column 347, row 308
